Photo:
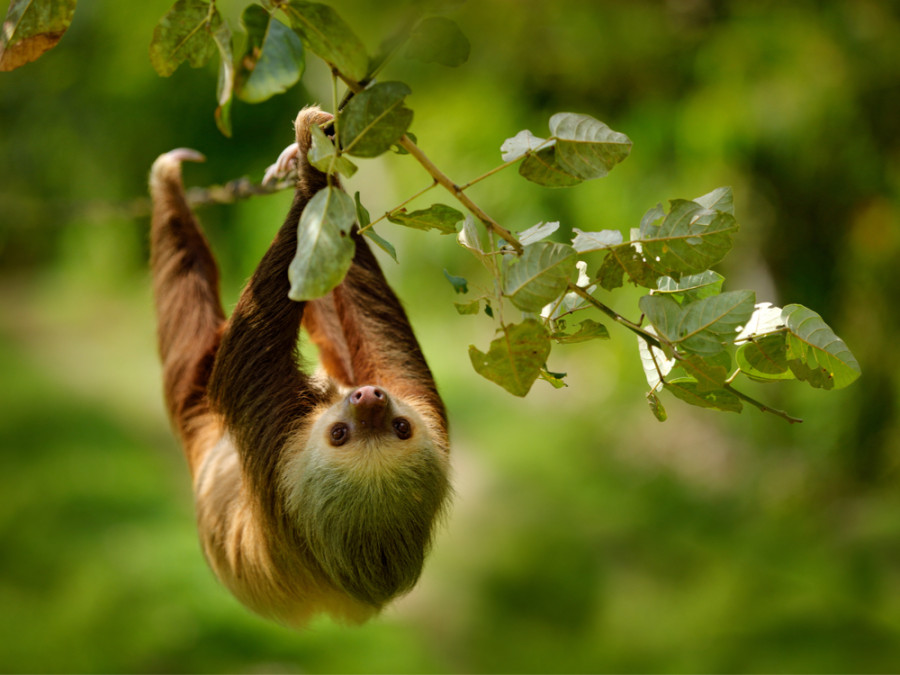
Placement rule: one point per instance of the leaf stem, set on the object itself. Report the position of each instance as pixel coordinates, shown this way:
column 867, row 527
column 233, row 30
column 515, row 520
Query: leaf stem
column 762, row 406
column 388, row 214
column 457, row 192
column 649, row 338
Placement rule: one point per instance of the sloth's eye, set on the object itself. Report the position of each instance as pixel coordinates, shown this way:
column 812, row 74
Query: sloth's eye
column 402, row 428
column 339, row 434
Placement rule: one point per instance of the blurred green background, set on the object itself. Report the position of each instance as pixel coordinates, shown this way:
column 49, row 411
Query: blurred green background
column 585, row 535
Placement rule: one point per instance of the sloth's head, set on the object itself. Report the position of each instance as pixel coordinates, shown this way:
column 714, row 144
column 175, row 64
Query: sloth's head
column 366, row 489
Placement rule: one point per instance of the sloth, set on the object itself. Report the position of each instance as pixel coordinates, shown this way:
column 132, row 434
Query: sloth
column 315, row 493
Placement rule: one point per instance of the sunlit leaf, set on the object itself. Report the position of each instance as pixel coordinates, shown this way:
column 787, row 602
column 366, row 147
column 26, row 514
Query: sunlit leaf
column 438, row 217
column 519, row 145
column 555, row 379
column 225, row 88
column 765, row 319
column 585, row 242
column 327, row 35
column 540, row 275
column 572, row 301
column 438, row 39
column 375, row 119
column 515, row 358
column 815, row 354
column 273, row 60
column 185, row 33
column 324, row 245
column 656, row 365
column 537, row 232
column 470, row 237
column 586, row 147
column 31, row 28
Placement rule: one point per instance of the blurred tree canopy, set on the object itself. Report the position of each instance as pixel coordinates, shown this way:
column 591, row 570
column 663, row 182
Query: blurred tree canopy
column 585, row 536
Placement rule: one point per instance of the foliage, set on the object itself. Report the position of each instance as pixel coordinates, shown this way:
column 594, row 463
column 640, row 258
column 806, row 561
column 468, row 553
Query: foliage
column 701, row 331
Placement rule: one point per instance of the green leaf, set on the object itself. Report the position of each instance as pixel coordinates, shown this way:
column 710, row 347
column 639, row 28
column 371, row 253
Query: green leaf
column 585, row 242
column 710, row 373
column 815, row 354
column 765, row 320
column 586, row 147
column 589, row 330
column 322, row 154
column 656, row 407
column 273, row 60
column 438, row 217
column 460, row 285
column 689, row 240
column 623, row 259
column 327, row 35
column 222, row 38
column 707, row 325
column 438, row 40
column 185, row 33
column 31, row 28
column 515, row 358
column 382, row 243
column 375, row 119
column 765, row 358
column 324, row 245
column 542, row 167
column 692, row 287
column 467, row 307
column 540, row 275
column 690, row 392
column 664, row 313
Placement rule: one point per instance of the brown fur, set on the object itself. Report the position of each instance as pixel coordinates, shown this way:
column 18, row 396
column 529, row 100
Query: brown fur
column 290, row 524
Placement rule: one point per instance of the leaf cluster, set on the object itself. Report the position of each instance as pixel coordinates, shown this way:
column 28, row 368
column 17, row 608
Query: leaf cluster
column 694, row 338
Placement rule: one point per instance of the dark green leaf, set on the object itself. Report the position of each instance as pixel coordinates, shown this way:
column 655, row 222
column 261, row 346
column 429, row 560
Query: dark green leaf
column 460, row 285
column 708, row 324
column 323, row 155
column 690, row 392
column 375, row 119
column 515, row 358
column 324, row 245
column 586, row 147
column 815, row 353
column 31, row 28
column 708, row 373
column 273, row 59
column 541, row 167
column 382, row 243
column 362, row 214
column 765, row 358
column 438, row 40
column 436, row 217
column 664, row 313
column 540, row 275
column 327, row 35
column 588, row 330
column 185, row 33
